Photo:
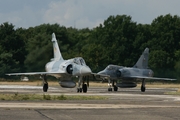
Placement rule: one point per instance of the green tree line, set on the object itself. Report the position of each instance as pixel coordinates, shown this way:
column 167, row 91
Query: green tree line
column 118, row 40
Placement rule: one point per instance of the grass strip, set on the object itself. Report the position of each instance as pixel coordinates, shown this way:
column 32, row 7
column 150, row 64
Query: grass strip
column 36, row 97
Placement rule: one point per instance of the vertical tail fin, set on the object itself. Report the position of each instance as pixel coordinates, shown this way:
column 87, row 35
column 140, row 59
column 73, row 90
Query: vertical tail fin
column 143, row 60
column 56, row 50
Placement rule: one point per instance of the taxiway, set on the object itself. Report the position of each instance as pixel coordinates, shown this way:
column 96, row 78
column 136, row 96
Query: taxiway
column 123, row 104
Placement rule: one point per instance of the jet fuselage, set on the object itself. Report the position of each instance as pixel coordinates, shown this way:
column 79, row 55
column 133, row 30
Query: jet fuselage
column 120, row 72
column 75, row 66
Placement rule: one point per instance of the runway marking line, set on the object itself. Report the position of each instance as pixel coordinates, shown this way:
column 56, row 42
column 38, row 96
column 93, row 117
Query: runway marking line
column 77, row 106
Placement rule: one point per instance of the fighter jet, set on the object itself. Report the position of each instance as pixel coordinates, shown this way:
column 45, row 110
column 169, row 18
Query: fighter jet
column 64, row 70
column 129, row 75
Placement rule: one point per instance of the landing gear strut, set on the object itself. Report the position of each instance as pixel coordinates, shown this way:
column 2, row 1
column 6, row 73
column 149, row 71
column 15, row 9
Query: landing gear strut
column 110, row 86
column 45, row 84
column 143, row 88
column 84, row 86
column 115, row 87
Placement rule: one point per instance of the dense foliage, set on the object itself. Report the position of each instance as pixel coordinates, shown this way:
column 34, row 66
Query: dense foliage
column 119, row 40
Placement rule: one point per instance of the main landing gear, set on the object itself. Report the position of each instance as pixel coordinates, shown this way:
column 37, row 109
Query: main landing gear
column 143, row 88
column 45, row 83
column 110, row 86
column 84, row 86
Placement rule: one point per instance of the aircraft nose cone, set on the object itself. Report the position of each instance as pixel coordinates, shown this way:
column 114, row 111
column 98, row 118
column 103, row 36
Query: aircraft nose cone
column 102, row 72
column 85, row 70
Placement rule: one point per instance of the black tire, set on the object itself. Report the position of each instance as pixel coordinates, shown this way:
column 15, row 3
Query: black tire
column 143, row 89
column 109, row 89
column 115, row 88
column 45, row 87
column 80, row 90
column 84, row 88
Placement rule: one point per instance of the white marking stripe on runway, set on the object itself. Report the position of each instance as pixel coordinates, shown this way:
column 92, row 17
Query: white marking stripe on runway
column 76, row 106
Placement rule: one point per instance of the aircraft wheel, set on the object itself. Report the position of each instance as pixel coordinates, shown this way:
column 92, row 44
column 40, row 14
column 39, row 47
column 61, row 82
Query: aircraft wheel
column 109, row 89
column 143, row 89
column 80, row 90
column 84, row 88
column 45, row 87
column 115, row 88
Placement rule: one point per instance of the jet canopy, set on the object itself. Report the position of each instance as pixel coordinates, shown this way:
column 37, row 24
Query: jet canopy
column 113, row 67
column 79, row 61
column 109, row 67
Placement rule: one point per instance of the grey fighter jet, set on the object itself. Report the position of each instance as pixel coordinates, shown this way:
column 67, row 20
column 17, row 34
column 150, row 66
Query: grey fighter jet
column 64, row 70
column 129, row 75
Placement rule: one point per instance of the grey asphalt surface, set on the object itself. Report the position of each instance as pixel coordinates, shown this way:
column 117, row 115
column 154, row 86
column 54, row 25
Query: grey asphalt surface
column 129, row 104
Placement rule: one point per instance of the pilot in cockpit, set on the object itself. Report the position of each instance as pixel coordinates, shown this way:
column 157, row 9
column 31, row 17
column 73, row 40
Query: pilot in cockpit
column 82, row 61
column 79, row 61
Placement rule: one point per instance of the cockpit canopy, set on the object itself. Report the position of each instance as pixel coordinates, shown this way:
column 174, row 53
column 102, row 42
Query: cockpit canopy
column 79, row 61
column 109, row 67
column 113, row 67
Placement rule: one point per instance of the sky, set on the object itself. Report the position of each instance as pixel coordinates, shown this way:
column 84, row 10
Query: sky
column 82, row 13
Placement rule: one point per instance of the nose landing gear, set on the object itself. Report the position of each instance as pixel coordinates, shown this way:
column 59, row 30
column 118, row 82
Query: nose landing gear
column 110, row 86
column 45, row 83
column 84, row 86
column 143, row 88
